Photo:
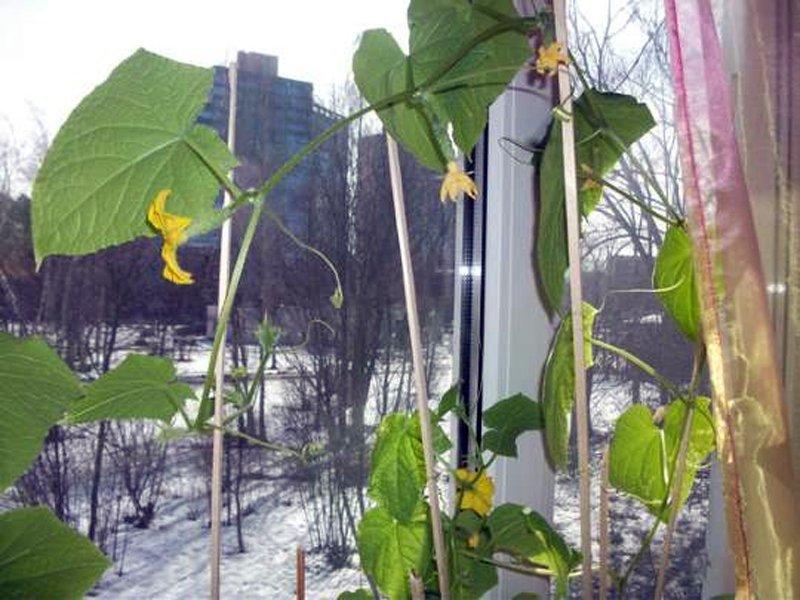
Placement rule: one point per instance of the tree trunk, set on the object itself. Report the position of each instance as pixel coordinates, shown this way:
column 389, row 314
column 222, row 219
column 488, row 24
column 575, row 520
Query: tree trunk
column 98, row 469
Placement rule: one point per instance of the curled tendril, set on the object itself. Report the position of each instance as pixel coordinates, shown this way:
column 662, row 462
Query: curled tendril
column 337, row 298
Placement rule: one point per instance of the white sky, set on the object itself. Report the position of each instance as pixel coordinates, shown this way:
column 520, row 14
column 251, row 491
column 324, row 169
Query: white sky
column 53, row 52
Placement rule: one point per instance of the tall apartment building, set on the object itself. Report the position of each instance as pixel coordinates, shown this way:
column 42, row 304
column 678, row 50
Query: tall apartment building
column 275, row 118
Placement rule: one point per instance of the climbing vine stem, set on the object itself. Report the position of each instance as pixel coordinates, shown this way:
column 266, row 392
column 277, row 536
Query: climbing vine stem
column 257, row 197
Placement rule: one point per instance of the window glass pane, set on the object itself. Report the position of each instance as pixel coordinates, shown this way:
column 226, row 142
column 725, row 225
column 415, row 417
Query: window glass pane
column 139, row 490
column 620, row 247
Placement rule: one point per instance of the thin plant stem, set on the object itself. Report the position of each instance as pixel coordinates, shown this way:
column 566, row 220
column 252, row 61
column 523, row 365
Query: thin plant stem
column 612, row 136
column 257, row 196
column 675, row 492
column 523, row 570
column 615, row 140
column 258, row 377
column 640, row 364
column 640, row 203
column 273, row 216
column 623, row 580
column 668, row 497
column 680, row 469
column 258, row 442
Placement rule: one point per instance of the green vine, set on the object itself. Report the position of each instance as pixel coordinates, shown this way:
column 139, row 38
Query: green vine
column 434, row 102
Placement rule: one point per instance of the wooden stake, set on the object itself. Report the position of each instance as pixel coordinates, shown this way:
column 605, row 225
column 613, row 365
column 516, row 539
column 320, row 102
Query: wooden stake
column 219, row 372
column 605, row 545
column 576, row 298
column 419, row 366
column 300, row 573
column 674, row 501
column 417, row 587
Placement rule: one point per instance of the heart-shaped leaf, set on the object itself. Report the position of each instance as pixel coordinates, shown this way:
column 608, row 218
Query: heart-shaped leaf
column 642, row 454
column 132, row 136
column 466, row 85
column 558, row 385
column 438, row 28
column 397, row 476
column 141, row 387
column 381, row 70
column 676, row 283
column 40, row 557
column 36, row 389
column 507, row 420
column 605, row 125
column 391, row 550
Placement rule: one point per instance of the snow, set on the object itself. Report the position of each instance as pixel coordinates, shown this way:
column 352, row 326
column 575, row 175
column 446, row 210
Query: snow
column 170, row 560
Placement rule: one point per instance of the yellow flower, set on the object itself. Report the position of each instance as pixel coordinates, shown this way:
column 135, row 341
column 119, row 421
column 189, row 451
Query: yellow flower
column 172, row 228
column 550, row 57
column 477, row 491
column 589, row 181
column 455, row 182
column 474, row 540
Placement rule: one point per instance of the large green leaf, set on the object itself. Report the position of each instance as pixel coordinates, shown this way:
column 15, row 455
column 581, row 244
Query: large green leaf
column 461, row 97
column 36, row 389
column 558, row 385
column 141, row 387
column 129, row 138
column 40, row 557
column 381, row 70
column 507, row 420
column 642, row 454
column 675, row 280
column 397, row 476
column 472, row 577
column 391, row 550
column 438, row 29
column 605, row 124
column 525, row 534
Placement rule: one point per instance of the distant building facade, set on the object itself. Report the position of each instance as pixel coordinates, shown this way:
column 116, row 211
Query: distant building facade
column 275, row 118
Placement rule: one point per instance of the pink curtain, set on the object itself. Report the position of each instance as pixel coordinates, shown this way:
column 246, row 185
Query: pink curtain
column 753, row 434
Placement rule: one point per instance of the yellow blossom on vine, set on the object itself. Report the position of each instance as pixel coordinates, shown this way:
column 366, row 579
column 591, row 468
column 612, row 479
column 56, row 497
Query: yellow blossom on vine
column 173, row 229
column 589, row 180
column 477, row 491
column 591, row 184
column 455, row 182
column 550, row 57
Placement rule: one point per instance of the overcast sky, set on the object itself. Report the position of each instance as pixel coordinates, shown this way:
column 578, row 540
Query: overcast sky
column 53, row 52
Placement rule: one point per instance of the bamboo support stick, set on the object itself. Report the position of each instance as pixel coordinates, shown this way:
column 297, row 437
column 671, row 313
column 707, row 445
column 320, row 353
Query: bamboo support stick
column 605, row 488
column 219, row 368
column 674, row 502
column 576, row 298
column 418, row 366
column 417, row 587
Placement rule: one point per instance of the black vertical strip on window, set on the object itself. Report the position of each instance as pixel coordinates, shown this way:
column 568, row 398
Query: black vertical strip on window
column 471, row 272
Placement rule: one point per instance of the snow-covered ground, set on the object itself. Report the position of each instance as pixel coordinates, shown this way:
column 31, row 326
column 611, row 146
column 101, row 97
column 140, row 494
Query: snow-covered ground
column 170, row 559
